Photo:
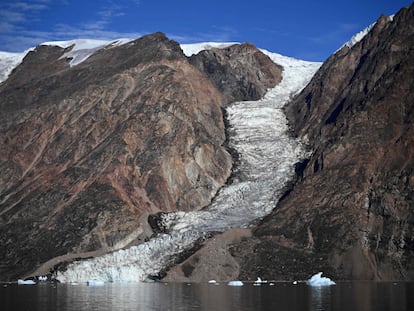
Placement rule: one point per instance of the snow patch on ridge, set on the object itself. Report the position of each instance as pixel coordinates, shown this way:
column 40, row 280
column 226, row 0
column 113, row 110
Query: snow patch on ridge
column 359, row 36
column 195, row 48
column 84, row 48
column 9, row 61
column 259, row 133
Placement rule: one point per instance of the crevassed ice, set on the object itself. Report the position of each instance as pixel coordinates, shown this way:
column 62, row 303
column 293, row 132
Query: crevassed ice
column 259, row 133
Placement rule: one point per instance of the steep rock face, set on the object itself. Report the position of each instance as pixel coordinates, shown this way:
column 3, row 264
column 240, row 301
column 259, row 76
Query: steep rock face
column 87, row 151
column 350, row 213
column 240, row 71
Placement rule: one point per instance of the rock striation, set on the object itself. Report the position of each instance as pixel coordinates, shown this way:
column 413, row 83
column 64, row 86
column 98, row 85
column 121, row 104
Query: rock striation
column 350, row 211
column 87, row 152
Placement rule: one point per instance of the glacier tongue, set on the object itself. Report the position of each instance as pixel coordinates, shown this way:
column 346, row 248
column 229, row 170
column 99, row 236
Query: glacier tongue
column 259, row 133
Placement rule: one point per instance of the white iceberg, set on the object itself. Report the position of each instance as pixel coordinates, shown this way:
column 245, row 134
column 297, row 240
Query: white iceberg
column 26, row 282
column 319, row 280
column 95, row 283
column 259, row 281
column 235, row 283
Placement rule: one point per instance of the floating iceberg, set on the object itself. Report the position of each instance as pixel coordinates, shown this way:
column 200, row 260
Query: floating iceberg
column 259, row 280
column 235, row 283
column 95, row 283
column 26, row 282
column 319, row 280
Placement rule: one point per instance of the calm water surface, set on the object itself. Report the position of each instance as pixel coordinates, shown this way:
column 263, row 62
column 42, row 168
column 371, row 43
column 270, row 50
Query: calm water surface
column 159, row 296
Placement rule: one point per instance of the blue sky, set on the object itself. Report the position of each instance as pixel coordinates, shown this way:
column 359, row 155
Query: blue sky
column 310, row 30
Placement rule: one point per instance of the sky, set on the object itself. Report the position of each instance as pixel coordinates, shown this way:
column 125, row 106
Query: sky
column 309, row 30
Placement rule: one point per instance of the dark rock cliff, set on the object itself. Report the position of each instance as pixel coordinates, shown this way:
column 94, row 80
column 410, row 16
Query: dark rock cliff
column 88, row 152
column 240, row 72
column 350, row 213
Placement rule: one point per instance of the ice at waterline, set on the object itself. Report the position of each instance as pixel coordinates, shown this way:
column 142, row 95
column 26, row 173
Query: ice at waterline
column 319, row 280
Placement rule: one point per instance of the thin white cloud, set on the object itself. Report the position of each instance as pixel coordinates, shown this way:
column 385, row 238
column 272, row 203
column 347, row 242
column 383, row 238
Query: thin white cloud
column 16, row 35
column 25, row 6
column 6, row 27
column 94, row 25
column 10, row 16
column 348, row 26
column 218, row 34
column 341, row 30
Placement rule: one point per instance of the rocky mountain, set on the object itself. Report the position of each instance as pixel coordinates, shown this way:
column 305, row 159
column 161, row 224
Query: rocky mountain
column 139, row 148
column 350, row 211
column 233, row 71
column 89, row 150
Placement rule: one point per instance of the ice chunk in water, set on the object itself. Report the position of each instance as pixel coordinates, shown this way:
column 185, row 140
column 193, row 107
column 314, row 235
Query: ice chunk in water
column 235, row 283
column 95, row 283
column 319, row 280
column 26, row 282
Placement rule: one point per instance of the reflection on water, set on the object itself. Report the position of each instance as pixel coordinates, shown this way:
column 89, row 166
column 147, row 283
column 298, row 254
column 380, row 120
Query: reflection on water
column 320, row 298
column 160, row 296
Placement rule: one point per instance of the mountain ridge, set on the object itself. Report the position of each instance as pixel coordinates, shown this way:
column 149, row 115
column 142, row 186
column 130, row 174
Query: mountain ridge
column 349, row 213
column 138, row 130
column 88, row 151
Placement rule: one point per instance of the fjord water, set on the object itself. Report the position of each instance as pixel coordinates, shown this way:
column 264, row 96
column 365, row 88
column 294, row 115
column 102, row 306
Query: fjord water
column 180, row 296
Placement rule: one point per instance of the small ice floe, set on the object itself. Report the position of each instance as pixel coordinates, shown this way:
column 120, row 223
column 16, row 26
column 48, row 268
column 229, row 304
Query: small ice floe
column 212, row 282
column 235, row 283
column 26, row 282
column 319, row 280
column 272, row 284
column 95, row 283
column 42, row 278
column 260, row 281
column 295, row 282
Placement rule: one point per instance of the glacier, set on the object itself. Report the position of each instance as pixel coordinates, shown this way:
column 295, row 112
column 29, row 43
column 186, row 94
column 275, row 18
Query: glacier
column 259, row 132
